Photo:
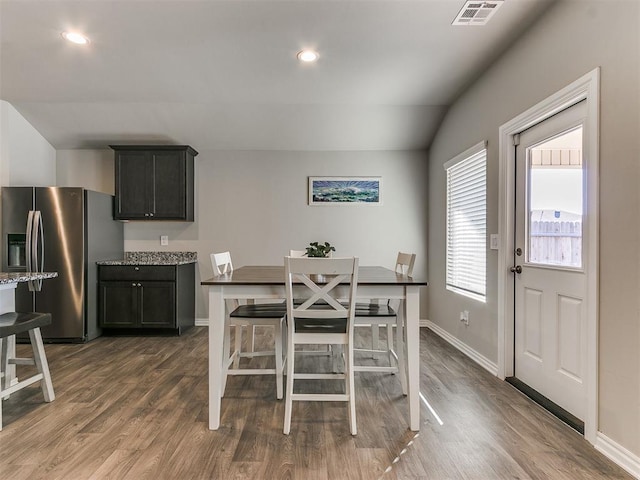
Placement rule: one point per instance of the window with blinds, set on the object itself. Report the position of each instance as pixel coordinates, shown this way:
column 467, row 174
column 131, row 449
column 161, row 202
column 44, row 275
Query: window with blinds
column 467, row 223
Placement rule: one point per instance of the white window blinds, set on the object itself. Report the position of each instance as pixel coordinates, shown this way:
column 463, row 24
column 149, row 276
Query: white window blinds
column 467, row 222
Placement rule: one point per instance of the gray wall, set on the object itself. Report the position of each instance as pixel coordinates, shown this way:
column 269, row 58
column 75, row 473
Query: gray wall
column 571, row 39
column 254, row 204
column 26, row 158
column 91, row 169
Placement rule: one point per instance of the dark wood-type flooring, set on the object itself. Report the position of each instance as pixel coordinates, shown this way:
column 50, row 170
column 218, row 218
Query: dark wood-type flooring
column 136, row 408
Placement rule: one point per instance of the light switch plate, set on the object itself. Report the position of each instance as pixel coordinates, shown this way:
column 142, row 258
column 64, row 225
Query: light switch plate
column 164, row 240
column 495, row 241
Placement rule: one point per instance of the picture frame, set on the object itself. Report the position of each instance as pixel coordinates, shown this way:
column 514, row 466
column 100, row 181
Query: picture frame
column 341, row 191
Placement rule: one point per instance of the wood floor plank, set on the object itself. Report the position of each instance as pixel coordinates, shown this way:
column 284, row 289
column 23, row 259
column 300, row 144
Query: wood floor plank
column 136, row 408
column 17, row 472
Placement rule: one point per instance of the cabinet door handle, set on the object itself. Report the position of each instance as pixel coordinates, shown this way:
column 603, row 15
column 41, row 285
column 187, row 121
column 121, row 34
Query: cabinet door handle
column 133, row 284
column 146, row 214
column 151, row 214
column 139, row 285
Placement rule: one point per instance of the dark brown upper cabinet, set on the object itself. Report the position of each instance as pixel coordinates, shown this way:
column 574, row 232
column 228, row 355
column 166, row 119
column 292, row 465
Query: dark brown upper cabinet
column 154, row 182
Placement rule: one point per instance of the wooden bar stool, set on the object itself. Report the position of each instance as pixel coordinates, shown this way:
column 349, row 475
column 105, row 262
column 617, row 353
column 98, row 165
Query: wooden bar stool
column 11, row 324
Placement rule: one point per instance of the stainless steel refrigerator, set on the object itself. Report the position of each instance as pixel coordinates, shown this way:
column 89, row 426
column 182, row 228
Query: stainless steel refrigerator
column 64, row 230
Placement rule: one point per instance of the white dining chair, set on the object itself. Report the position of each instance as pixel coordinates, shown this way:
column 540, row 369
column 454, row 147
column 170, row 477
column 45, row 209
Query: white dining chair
column 319, row 318
column 385, row 312
column 221, row 264
column 250, row 316
column 328, row 349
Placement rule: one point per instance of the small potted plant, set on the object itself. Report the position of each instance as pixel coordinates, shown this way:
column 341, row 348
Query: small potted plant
column 316, row 249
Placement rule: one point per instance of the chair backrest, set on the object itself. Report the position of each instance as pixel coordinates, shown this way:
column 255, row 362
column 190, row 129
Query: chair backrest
column 404, row 263
column 297, row 253
column 318, row 278
column 221, row 263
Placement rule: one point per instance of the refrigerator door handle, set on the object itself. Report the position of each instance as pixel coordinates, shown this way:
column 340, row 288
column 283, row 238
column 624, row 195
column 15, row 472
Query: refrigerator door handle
column 39, row 241
column 29, row 240
column 38, row 260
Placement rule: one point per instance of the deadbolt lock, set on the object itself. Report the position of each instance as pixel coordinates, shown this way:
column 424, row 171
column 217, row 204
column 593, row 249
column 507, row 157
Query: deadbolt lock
column 519, row 251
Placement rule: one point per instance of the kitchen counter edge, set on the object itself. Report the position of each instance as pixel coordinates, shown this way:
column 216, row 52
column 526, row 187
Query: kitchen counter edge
column 19, row 277
column 146, row 262
column 153, row 258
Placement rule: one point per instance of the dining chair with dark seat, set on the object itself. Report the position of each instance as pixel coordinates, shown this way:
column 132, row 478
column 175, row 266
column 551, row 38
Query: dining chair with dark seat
column 250, row 316
column 320, row 316
column 385, row 312
column 12, row 324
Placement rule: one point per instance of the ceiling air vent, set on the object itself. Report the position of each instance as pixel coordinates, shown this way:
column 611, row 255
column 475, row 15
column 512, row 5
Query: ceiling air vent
column 477, row 13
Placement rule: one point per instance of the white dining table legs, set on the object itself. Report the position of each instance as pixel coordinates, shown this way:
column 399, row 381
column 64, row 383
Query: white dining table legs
column 216, row 342
column 412, row 326
column 410, row 315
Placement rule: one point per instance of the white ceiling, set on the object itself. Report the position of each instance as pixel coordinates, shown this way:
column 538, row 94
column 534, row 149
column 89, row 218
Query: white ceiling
column 223, row 75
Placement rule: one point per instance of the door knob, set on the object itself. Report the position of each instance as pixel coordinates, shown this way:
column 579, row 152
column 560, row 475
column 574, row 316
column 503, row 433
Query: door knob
column 516, row 269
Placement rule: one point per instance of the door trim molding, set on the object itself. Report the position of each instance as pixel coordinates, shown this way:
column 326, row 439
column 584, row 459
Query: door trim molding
column 586, row 88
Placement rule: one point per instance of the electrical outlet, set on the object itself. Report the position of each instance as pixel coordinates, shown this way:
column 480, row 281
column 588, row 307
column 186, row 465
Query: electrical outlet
column 164, row 240
column 464, row 317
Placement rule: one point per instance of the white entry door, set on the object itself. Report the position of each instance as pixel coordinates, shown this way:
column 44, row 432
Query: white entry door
column 549, row 260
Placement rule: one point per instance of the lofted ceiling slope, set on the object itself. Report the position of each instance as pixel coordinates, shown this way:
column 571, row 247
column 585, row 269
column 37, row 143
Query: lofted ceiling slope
column 223, row 75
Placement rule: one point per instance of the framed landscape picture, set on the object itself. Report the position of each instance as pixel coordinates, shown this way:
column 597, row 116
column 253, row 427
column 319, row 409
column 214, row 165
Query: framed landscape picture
column 345, row 190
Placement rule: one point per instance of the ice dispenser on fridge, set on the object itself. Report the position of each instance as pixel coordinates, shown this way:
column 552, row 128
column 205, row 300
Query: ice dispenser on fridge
column 16, row 251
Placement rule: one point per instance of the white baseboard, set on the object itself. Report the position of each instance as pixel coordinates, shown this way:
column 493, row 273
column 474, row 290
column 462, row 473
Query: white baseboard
column 480, row 359
column 618, row 454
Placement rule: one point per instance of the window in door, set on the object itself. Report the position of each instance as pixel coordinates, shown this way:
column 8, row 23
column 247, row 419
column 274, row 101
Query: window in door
column 555, row 201
column 467, row 223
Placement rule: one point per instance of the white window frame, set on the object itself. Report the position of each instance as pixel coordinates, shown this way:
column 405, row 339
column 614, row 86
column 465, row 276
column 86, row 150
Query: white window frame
column 475, row 285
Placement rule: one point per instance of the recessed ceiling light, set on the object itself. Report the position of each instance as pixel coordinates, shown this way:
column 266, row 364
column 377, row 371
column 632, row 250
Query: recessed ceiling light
column 307, row 56
column 75, row 37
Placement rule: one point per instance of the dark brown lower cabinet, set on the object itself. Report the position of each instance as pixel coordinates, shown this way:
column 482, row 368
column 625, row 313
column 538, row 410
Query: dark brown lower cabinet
column 147, row 297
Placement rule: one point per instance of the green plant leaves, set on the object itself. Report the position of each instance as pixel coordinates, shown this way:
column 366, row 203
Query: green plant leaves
column 315, row 249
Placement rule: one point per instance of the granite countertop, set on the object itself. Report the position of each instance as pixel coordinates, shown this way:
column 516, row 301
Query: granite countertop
column 17, row 277
column 153, row 258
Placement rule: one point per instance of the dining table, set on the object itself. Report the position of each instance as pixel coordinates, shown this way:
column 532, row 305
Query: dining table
column 267, row 282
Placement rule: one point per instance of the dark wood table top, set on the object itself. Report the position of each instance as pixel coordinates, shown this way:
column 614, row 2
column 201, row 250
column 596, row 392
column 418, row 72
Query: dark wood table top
column 274, row 275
